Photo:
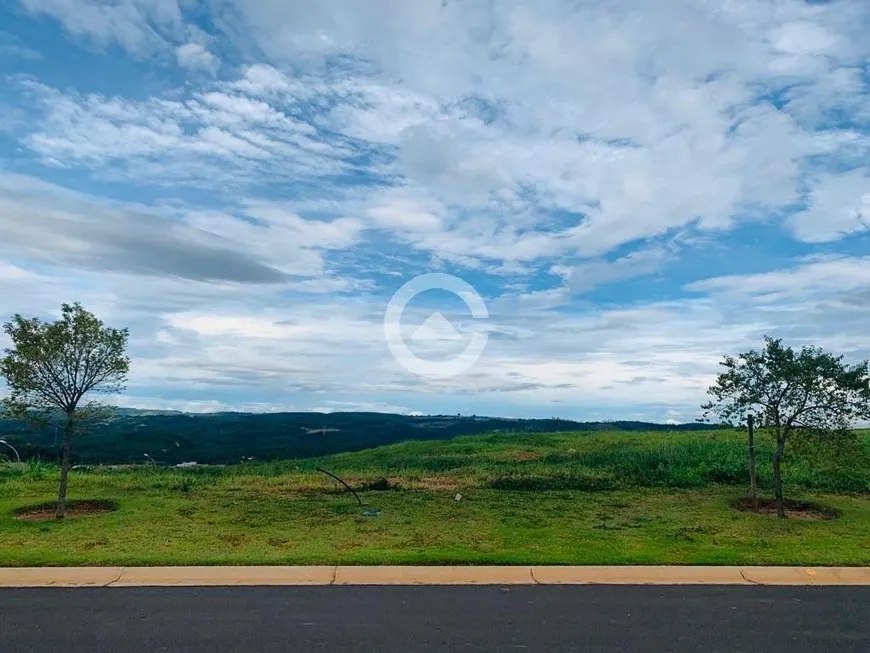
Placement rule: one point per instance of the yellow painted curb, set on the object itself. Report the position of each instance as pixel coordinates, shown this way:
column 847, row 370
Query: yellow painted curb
column 454, row 575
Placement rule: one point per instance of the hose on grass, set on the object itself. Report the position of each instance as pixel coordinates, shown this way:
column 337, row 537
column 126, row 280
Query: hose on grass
column 323, row 471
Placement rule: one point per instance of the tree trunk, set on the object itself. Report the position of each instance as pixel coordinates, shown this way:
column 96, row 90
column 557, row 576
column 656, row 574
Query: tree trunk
column 64, row 469
column 777, row 476
column 753, row 477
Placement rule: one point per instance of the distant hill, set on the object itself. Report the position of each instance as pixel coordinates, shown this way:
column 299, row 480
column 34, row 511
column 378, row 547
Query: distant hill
column 172, row 437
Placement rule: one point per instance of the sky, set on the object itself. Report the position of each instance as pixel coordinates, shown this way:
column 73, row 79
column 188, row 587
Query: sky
column 634, row 188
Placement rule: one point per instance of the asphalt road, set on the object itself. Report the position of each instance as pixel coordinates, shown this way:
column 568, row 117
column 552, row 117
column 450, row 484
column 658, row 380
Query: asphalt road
column 410, row 619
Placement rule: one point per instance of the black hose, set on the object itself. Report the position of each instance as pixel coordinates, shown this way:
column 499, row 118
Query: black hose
column 323, row 471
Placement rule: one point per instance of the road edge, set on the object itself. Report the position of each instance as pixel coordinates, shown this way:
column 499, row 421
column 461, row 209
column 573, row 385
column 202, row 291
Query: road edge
column 72, row 577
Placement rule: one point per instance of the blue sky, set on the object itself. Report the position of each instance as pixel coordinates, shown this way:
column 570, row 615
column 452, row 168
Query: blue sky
column 634, row 190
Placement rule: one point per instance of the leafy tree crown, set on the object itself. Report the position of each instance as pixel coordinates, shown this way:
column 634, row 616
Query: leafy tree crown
column 53, row 366
column 788, row 390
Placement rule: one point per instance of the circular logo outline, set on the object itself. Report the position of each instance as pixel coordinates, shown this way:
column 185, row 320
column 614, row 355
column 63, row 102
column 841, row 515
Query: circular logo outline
column 393, row 330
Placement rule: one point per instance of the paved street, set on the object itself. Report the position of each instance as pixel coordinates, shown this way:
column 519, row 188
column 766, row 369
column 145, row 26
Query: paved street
column 521, row 618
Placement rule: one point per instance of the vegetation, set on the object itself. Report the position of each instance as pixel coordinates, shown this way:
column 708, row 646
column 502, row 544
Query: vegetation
column 501, row 491
column 52, row 367
column 542, row 498
column 809, row 393
column 223, row 438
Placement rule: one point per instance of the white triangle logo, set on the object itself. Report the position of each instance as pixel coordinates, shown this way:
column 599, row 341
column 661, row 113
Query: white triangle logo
column 437, row 327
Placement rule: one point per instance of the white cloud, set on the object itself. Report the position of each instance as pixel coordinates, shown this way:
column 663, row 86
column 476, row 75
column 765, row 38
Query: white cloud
column 90, row 234
column 281, row 238
column 663, row 99
column 838, row 205
column 387, row 137
column 262, row 244
column 406, row 215
column 210, row 139
column 587, row 276
column 198, row 405
column 609, row 112
column 10, row 273
column 261, row 79
column 804, row 37
column 366, row 407
column 814, row 279
column 652, row 356
column 140, row 26
column 245, row 326
column 194, row 56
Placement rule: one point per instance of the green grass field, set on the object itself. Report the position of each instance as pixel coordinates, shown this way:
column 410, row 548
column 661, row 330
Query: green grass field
column 563, row 498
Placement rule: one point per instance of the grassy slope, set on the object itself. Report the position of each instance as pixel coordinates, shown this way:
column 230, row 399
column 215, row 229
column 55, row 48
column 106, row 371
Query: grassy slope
column 572, row 498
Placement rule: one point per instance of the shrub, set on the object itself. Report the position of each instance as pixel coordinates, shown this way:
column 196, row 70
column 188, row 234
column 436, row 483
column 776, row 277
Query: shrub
column 380, row 484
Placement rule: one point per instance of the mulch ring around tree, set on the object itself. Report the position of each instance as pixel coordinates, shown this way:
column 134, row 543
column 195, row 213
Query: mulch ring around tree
column 793, row 509
column 74, row 510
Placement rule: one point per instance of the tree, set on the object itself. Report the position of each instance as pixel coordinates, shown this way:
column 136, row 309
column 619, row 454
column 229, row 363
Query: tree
column 52, row 367
column 810, row 392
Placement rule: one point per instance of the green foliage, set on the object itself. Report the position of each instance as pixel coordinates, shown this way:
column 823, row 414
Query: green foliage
column 686, row 464
column 810, row 390
column 225, row 438
column 811, row 393
column 31, row 470
column 545, row 498
column 52, row 366
column 539, row 461
column 588, row 481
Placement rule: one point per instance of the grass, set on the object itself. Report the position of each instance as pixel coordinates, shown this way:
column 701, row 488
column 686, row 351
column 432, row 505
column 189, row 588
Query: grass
column 561, row 498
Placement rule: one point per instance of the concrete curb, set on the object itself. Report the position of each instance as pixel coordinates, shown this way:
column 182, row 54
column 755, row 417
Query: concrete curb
column 459, row 575
column 434, row 576
column 222, row 576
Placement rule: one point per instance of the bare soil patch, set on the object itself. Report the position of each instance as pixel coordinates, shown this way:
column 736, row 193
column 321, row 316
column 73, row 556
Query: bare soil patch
column 74, row 510
column 519, row 456
column 793, row 509
column 437, row 483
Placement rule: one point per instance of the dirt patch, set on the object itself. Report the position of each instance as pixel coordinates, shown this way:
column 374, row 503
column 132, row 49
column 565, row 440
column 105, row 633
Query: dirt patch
column 793, row 509
column 518, row 456
column 233, row 539
column 74, row 510
column 278, row 541
column 437, row 483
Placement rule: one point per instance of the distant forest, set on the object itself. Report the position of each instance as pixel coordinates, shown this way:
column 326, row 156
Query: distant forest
column 132, row 436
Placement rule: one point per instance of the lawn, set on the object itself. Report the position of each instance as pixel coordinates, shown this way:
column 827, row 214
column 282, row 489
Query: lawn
column 562, row 498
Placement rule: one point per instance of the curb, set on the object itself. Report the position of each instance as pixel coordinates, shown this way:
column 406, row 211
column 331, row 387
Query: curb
column 466, row 575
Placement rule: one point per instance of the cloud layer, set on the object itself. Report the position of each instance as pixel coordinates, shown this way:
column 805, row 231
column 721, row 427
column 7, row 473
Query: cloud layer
column 634, row 190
